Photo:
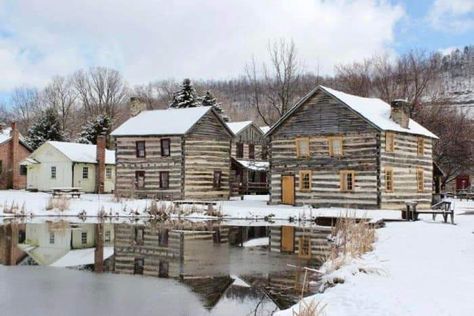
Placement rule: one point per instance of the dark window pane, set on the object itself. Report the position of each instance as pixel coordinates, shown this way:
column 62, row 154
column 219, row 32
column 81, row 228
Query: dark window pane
column 165, row 147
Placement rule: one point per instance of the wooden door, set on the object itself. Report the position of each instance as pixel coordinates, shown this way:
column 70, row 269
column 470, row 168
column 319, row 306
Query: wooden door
column 287, row 239
column 462, row 182
column 288, row 190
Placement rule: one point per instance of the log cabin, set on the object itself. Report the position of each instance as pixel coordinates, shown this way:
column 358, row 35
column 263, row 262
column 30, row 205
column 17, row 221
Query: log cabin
column 333, row 149
column 174, row 154
column 249, row 165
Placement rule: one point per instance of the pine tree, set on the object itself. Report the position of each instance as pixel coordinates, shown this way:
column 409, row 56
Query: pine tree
column 48, row 127
column 209, row 100
column 101, row 125
column 185, row 97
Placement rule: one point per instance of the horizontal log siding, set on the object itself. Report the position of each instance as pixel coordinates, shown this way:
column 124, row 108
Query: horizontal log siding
column 360, row 155
column 320, row 246
column 152, row 164
column 207, row 149
column 404, row 162
column 202, row 158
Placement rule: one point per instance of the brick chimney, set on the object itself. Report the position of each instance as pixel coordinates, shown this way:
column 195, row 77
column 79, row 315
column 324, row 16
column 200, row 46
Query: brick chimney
column 136, row 106
column 400, row 112
column 100, row 156
column 14, row 157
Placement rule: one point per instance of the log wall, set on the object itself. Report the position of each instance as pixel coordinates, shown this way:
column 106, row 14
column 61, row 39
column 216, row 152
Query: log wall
column 404, row 161
column 127, row 163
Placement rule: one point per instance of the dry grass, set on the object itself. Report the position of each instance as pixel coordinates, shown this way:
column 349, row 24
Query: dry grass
column 353, row 238
column 312, row 308
column 212, row 211
column 60, row 203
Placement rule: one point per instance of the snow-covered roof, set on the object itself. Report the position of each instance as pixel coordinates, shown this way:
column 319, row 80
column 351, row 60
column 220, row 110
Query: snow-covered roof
column 255, row 165
column 237, row 127
column 264, row 129
column 5, row 136
column 82, row 152
column 374, row 110
column 80, row 257
column 162, row 122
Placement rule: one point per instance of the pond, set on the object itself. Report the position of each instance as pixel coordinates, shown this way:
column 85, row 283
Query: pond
column 153, row 268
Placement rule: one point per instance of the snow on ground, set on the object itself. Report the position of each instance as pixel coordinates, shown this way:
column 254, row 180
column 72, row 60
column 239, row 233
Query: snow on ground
column 251, row 208
column 422, row 268
column 257, row 242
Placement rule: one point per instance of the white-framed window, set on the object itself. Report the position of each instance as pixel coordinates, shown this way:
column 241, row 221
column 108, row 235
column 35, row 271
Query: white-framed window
column 108, row 236
column 108, row 173
column 83, row 238
column 53, row 172
column 85, row 172
column 51, row 238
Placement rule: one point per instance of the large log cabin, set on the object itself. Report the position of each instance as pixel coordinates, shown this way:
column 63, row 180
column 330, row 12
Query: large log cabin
column 174, row 154
column 249, row 165
column 333, row 149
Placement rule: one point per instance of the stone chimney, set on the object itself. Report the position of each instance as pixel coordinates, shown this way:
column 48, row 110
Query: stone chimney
column 100, row 157
column 400, row 112
column 14, row 157
column 136, row 106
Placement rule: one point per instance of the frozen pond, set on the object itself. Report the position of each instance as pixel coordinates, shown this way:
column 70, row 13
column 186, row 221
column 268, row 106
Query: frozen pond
column 175, row 268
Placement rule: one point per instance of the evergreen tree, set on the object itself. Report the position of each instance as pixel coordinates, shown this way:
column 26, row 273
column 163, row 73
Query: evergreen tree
column 209, row 100
column 101, row 125
column 47, row 127
column 185, row 97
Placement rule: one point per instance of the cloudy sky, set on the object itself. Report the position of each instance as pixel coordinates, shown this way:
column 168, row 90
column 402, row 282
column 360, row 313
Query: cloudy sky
column 160, row 39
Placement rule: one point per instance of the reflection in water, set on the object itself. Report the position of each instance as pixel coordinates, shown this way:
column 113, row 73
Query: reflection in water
column 228, row 280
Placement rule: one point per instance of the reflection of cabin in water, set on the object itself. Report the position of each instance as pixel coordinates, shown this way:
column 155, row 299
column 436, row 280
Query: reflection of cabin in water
column 161, row 249
column 306, row 242
column 65, row 244
column 249, row 166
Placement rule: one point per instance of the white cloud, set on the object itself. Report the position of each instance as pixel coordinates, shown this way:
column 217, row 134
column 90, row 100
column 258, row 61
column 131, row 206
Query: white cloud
column 452, row 15
column 149, row 40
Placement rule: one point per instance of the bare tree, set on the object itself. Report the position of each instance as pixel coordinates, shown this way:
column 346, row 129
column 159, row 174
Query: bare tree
column 26, row 105
column 100, row 91
column 156, row 95
column 355, row 78
column 60, row 95
column 256, row 90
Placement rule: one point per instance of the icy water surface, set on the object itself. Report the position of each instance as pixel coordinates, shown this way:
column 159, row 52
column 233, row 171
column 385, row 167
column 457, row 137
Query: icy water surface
column 171, row 268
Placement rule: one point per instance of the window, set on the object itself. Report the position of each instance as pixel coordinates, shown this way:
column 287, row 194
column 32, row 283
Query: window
column 388, row 180
column 53, row 172
column 51, row 238
column 165, row 147
column 304, row 250
column 239, row 150
column 389, row 142
column 164, row 179
column 251, row 151
column 1, row 166
column 305, row 180
column 108, row 173
column 140, row 149
column 302, row 148
column 347, row 180
column 139, row 235
column 163, row 237
column 23, row 170
column 84, row 238
column 335, row 145
column 420, row 146
column 85, row 173
column 108, row 236
column 139, row 179
column 264, row 152
column 217, row 179
column 420, row 178
column 138, row 265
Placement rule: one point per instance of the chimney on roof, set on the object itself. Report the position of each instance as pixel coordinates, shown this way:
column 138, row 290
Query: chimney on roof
column 400, row 112
column 14, row 157
column 136, row 106
column 100, row 157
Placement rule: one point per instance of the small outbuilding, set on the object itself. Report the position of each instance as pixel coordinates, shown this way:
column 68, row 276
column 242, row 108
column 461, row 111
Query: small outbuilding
column 64, row 165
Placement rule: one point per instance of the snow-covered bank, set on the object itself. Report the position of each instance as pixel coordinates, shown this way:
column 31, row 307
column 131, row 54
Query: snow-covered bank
column 422, row 268
column 251, row 208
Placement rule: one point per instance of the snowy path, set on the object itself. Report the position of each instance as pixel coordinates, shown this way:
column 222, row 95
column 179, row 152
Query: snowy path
column 428, row 270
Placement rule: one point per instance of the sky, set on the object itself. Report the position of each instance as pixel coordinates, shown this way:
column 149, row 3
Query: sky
column 213, row 39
